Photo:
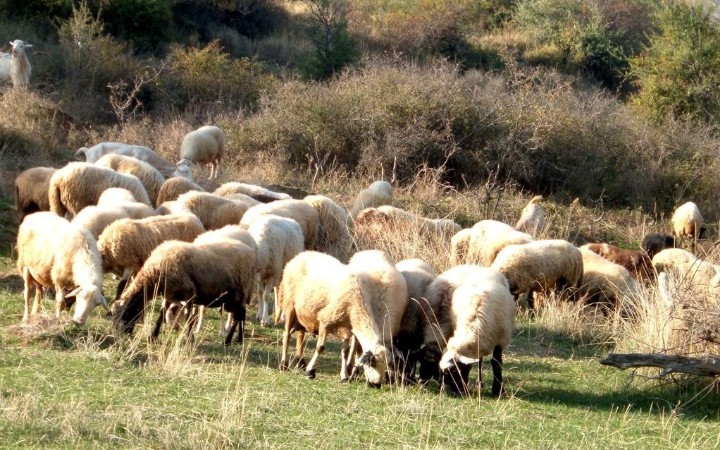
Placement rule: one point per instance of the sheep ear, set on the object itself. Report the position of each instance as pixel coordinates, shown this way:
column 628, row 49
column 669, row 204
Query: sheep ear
column 74, row 292
column 466, row 360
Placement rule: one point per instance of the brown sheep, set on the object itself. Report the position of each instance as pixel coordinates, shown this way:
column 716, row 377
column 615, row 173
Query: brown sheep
column 637, row 262
column 31, row 190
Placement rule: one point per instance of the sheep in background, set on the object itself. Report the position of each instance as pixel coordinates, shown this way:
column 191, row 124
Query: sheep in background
column 78, row 185
column 335, row 227
column 206, row 145
column 298, row 210
column 319, row 294
column 474, row 318
column 377, row 194
column 540, row 266
column 168, row 169
column 257, row 192
column 113, row 204
column 53, row 252
column 212, row 210
column 173, row 188
column 15, row 66
column 684, row 265
column 125, row 244
column 532, row 219
column 637, row 262
column 688, row 222
column 654, row 243
column 608, row 283
column 372, row 223
column 149, row 176
column 488, row 238
column 460, row 246
column 31, row 190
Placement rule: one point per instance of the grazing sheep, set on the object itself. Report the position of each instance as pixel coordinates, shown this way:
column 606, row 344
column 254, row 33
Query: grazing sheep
column 319, row 294
column 15, row 66
column 206, row 145
column 684, row 265
column 607, row 283
column 540, row 266
column 173, row 188
column 126, row 244
column 213, row 274
column 257, row 192
column 31, row 190
column 460, row 246
column 96, row 218
column 488, row 238
column 688, row 222
column 212, row 210
column 78, row 185
column 149, row 176
column 372, row 223
column 298, row 210
column 377, row 194
column 475, row 316
column 53, row 252
column 637, row 262
column 654, row 243
column 335, row 236
column 278, row 240
column 165, row 167
column 532, row 219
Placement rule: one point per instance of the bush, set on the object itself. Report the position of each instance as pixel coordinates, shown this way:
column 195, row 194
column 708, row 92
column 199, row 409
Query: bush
column 144, row 23
column 334, row 49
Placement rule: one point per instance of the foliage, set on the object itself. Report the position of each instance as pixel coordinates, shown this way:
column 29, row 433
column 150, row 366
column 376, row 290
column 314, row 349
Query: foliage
column 679, row 72
column 334, row 49
column 143, row 23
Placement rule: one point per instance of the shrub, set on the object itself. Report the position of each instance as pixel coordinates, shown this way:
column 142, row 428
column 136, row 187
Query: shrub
column 334, row 49
column 144, row 23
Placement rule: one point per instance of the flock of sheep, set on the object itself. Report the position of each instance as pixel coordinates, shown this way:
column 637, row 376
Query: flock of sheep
column 129, row 212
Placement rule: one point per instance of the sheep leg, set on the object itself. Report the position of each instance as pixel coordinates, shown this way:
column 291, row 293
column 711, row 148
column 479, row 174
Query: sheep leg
column 199, row 311
column 300, row 342
column 122, row 283
column 190, row 311
column 496, row 363
column 344, row 361
column 158, row 323
column 59, row 301
column 29, row 284
column 355, row 350
column 237, row 317
column 266, row 302
column 286, row 340
column 319, row 348
column 531, row 303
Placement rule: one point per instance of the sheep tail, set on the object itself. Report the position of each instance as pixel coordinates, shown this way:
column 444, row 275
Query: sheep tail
column 56, row 204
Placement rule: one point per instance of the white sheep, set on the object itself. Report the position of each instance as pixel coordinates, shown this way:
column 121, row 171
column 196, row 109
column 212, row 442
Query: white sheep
column 532, row 218
column 298, row 210
column 371, row 224
column 168, row 169
column 688, row 222
column 608, row 283
column 542, row 266
column 377, row 194
column 686, row 266
column 488, row 238
column 53, row 252
column 113, row 204
column 15, row 66
column 173, row 188
column 474, row 317
column 125, row 244
column 460, row 246
column 259, row 193
column 212, row 274
column 78, row 185
column 206, row 145
column 149, row 176
column 212, row 210
column 335, row 235
column 318, row 294
column 31, row 190
column 278, row 240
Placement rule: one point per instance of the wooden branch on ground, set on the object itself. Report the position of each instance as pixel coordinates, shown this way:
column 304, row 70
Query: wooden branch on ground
column 707, row 366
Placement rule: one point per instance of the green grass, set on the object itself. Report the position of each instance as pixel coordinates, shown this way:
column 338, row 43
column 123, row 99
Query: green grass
column 69, row 387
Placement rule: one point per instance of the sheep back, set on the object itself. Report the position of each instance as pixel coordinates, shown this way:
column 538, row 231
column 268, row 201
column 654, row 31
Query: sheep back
column 31, row 190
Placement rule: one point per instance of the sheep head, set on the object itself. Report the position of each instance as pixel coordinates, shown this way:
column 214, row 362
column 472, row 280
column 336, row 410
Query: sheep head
column 18, row 47
column 86, row 299
column 374, row 364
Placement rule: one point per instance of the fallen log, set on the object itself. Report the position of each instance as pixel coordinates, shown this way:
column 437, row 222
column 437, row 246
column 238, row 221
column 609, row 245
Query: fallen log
column 707, row 366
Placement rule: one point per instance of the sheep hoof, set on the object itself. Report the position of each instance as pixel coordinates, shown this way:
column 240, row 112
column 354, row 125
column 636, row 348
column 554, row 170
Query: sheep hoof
column 283, row 366
column 374, row 385
column 310, row 374
column 498, row 391
column 301, row 364
column 344, row 380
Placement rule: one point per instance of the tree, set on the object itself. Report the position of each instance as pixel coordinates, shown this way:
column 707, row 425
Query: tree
column 334, row 48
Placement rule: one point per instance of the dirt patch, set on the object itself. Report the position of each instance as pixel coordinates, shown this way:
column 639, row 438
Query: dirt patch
column 10, row 280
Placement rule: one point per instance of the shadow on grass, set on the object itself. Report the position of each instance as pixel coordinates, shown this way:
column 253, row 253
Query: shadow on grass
column 530, row 339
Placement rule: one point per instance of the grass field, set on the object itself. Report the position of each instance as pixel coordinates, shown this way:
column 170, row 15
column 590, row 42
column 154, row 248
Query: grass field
column 68, row 387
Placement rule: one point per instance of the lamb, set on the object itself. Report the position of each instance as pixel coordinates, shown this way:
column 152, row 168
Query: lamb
column 15, row 66
column 335, row 235
column 318, row 294
column 53, row 252
column 165, row 167
column 31, row 190
column 126, row 244
column 475, row 315
column 206, row 145
column 654, row 243
column 298, row 210
column 540, row 266
column 606, row 282
column 532, row 219
column 278, row 240
column 215, row 274
column 377, row 194
column 150, row 177
column 637, row 262
column 173, row 188
column 688, row 222
column 488, row 238
column 78, row 185
column 257, row 192
column 212, row 210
